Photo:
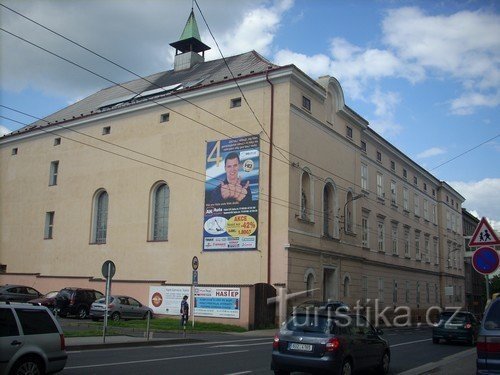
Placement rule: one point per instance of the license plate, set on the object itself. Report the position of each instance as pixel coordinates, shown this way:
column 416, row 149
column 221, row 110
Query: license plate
column 301, row 347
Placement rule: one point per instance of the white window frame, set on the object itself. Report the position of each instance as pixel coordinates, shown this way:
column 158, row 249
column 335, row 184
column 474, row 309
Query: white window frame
column 380, row 185
column 364, row 176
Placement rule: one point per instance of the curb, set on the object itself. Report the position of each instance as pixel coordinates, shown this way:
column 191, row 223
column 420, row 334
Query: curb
column 113, row 345
column 427, row 368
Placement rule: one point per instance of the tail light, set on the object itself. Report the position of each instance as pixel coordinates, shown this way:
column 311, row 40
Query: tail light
column 333, row 344
column 468, row 326
column 276, row 342
column 488, row 344
column 63, row 342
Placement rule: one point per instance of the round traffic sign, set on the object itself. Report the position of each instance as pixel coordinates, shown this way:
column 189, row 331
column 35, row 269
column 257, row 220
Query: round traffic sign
column 485, row 260
column 195, row 263
column 108, row 266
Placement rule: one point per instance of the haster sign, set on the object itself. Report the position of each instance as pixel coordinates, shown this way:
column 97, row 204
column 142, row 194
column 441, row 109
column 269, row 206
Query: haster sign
column 484, row 235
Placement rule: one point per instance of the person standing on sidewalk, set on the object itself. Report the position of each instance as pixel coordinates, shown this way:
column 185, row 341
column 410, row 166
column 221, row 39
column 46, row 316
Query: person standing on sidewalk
column 184, row 313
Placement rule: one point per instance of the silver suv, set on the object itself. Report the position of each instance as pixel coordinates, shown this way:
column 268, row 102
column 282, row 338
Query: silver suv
column 31, row 340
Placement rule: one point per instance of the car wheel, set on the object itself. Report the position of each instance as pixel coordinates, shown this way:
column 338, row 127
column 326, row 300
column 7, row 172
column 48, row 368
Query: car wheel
column 27, row 366
column 82, row 312
column 346, row 367
column 435, row 341
column 115, row 316
column 383, row 367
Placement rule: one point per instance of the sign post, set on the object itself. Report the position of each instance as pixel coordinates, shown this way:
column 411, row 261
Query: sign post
column 195, row 263
column 108, row 271
column 485, row 260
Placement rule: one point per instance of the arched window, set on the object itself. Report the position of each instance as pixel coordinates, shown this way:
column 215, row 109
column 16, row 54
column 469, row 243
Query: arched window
column 309, row 277
column 347, row 281
column 305, row 196
column 100, row 219
column 160, row 202
column 330, row 225
column 348, row 213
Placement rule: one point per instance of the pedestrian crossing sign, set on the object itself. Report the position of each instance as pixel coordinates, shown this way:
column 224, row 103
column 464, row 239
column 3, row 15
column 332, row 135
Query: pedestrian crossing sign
column 484, row 235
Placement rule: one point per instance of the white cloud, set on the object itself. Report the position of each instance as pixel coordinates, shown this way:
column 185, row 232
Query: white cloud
column 135, row 37
column 482, row 198
column 434, row 151
column 464, row 45
column 314, row 66
column 254, row 31
column 4, row 130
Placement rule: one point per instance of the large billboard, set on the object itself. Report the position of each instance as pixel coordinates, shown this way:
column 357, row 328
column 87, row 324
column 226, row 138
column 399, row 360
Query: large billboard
column 217, row 302
column 167, row 299
column 231, row 194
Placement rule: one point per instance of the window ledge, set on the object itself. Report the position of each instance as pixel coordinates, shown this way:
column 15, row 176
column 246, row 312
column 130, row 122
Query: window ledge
column 305, row 220
column 157, row 240
column 97, row 243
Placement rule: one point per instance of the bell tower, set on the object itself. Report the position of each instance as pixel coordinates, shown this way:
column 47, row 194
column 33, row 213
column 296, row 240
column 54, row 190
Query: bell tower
column 189, row 46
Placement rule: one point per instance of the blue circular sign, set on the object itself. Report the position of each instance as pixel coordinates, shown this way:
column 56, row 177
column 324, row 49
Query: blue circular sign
column 485, row 260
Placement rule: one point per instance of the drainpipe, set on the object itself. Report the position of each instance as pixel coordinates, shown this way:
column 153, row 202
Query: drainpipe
column 269, row 188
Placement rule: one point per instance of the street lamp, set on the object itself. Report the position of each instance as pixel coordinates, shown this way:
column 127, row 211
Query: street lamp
column 347, row 223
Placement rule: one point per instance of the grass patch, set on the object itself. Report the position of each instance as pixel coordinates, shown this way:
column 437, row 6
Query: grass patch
column 169, row 324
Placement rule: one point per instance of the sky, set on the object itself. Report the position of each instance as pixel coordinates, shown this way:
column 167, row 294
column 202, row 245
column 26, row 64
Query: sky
column 424, row 74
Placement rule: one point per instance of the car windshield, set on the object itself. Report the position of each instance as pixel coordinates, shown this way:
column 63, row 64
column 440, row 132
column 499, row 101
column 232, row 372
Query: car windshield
column 309, row 323
column 65, row 293
column 492, row 319
column 50, row 294
column 103, row 300
column 457, row 319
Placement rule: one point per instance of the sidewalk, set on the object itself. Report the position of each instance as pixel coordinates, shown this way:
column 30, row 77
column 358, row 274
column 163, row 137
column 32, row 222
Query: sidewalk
column 463, row 363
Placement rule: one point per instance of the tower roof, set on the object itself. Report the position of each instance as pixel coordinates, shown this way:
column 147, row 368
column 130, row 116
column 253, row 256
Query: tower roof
column 190, row 39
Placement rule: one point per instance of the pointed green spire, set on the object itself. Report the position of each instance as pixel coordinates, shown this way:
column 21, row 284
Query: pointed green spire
column 191, row 28
column 190, row 40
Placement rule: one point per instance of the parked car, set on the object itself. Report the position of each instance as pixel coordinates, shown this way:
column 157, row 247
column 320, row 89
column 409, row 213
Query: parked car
column 31, row 340
column 334, row 344
column 18, row 293
column 120, row 307
column 331, row 306
column 76, row 301
column 488, row 341
column 48, row 300
column 456, row 326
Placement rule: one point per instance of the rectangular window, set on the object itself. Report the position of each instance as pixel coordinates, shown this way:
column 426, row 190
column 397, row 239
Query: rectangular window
column 393, row 193
column 405, row 174
column 364, row 288
column 365, row 230
column 235, row 102
column 427, row 250
column 379, row 156
column 434, row 214
column 165, row 117
column 49, row 225
column 381, row 236
column 415, row 180
column 425, row 186
column 407, row 242
column 14, row 151
column 106, row 130
column 348, row 130
column 416, row 201
column 406, row 197
column 306, row 103
column 380, row 185
column 363, row 146
column 54, row 169
column 394, row 291
column 395, row 239
column 436, row 251
column 57, row 141
column 418, row 256
column 433, row 192
column 426, row 209
column 407, row 292
column 364, row 177
column 381, row 289
column 393, row 165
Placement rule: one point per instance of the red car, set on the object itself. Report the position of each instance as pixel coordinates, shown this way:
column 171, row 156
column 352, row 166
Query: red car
column 48, row 300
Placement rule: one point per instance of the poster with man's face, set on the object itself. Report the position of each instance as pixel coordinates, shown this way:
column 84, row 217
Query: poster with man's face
column 231, row 194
